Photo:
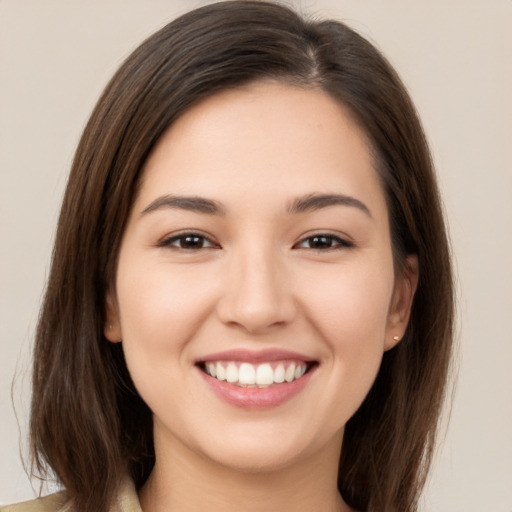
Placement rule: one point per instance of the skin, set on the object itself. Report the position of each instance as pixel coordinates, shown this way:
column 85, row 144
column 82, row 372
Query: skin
column 256, row 280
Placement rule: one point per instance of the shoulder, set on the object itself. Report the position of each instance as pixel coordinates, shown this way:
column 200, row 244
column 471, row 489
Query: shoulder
column 52, row 503
column 125, row 501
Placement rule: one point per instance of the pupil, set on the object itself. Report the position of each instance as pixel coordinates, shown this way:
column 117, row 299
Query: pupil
column 321, row 241
column 192, row 241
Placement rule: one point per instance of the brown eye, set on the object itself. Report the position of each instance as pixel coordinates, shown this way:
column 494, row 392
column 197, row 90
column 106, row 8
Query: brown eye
column 323, row 242
column 188, row 241
column 191, row 242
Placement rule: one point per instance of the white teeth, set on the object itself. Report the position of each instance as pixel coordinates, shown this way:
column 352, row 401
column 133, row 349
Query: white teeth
column 264, row 375
column 290, row 373
column 210, row 368
column 279, row 374
column 232, row 373
column 246, row 374
column 220, row 371
column 249, row 375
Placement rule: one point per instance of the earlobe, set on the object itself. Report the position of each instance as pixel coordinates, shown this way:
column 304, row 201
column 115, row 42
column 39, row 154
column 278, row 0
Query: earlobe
column 112, row 327
column 401, row 304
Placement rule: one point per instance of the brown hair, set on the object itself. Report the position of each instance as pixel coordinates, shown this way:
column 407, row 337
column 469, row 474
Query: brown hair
column 88, row 423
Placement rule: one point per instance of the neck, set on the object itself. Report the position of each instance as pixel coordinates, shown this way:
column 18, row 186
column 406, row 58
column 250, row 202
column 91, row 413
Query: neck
column 185, row 481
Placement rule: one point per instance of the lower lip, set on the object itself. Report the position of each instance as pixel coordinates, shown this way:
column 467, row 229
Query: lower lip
column 256, row 398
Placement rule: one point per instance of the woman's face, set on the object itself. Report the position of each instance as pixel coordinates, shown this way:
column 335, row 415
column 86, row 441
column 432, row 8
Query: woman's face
column 255, row 290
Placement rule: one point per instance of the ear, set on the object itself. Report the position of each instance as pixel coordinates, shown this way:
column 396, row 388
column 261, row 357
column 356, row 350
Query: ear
column 112, row 328
column 401, row 302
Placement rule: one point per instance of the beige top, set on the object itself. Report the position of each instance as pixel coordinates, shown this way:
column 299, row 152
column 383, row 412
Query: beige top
column 126, row 501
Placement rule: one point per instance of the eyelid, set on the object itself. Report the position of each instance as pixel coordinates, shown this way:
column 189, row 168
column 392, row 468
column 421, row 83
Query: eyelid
column 343, row 242
column 167, row 240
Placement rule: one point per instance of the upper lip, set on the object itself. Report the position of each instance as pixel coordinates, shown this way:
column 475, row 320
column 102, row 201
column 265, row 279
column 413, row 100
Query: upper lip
column 255, row 356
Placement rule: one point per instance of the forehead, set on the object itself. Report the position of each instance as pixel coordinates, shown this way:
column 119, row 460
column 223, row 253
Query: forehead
column 263, row 142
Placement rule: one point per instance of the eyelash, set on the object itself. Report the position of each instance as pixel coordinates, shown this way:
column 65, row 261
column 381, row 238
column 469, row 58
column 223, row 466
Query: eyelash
column 327, row 242
column 330, row 242
column 176, row 240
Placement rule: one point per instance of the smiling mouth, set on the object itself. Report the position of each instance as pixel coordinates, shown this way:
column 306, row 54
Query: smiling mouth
column 262, row 375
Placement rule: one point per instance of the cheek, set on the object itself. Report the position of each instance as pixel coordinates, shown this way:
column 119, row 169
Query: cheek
column 159, row 311
column 349, row 311
column 351, row 303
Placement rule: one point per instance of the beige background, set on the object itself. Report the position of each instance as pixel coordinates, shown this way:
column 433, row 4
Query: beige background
column 455, row 56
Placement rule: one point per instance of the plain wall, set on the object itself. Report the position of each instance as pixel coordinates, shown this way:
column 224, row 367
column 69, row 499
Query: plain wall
column 456, row 59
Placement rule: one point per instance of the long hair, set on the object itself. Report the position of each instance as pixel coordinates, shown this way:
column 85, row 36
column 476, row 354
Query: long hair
column 88, row 424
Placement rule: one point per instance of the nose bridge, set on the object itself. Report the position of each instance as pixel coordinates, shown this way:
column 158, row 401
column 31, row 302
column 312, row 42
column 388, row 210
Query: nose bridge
column 257, row 296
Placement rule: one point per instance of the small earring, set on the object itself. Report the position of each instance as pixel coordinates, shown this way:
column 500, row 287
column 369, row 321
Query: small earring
column 396, row 338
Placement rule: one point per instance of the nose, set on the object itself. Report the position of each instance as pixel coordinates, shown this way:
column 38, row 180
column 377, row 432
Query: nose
column 257, row 296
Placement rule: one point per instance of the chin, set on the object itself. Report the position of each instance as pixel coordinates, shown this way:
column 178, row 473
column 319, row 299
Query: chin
column 256, row 459
column 269, row 449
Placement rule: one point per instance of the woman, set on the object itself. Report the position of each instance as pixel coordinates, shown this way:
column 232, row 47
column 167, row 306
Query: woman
column 250, row 301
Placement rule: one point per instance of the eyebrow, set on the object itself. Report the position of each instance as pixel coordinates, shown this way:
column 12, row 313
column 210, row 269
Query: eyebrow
column 307, row 203
column 313, row 202
column 190, row 203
